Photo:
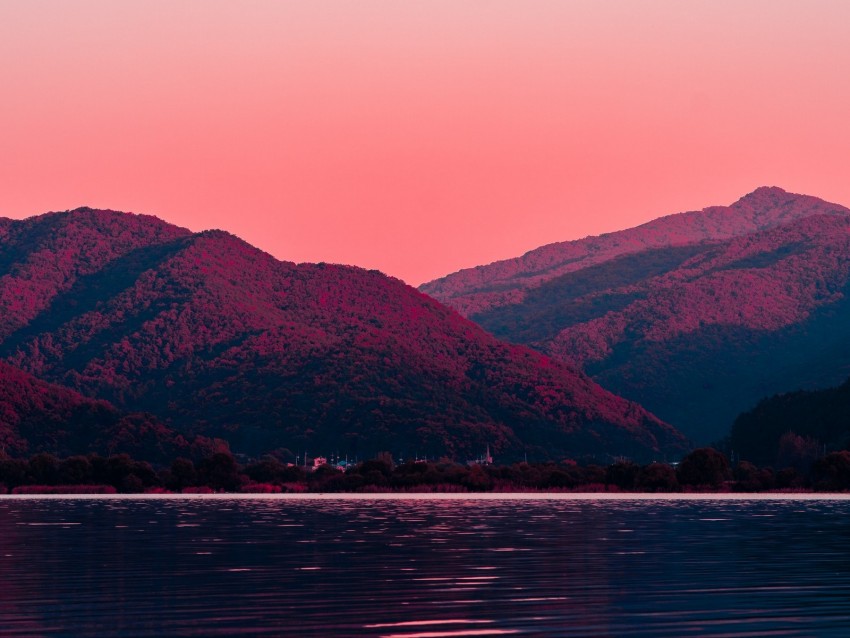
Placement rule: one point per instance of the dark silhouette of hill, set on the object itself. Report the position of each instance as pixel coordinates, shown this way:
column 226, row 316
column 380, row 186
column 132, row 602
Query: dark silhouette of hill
column 815, row 418
column 699, row 332
column 36, row 416
column 219, row 339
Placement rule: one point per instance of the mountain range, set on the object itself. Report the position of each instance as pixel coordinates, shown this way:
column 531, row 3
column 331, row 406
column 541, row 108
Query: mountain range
column 123, row 332
column 696, row 316
column 207, row 336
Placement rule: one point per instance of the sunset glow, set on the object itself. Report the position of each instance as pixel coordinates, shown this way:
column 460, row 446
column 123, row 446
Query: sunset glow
column 418, row 138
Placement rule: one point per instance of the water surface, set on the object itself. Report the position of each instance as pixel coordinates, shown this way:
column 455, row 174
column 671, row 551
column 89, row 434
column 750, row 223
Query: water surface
column 421, row 568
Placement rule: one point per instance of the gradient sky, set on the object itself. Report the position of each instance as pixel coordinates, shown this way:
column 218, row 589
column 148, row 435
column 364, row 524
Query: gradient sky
column 418, row 137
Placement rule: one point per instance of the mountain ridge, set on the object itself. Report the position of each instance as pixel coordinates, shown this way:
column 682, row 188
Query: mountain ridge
column 505, row 282
column 220, row 339
column 699, row 332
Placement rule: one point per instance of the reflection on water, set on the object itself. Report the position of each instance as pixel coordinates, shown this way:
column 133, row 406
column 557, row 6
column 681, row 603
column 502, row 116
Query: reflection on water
column 424, row 568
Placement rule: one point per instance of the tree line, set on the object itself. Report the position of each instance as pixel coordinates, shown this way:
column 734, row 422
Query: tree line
column 704, row 469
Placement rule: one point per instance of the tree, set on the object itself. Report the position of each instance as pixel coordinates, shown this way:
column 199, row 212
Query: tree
column 75, row 470
column 749, row 478
column 623, row 474
column 117, row 468
column 832, row 472
column 220, row 472
column 387, row 458
column 44, row 469
column 657, row 477
column 477, row 480
column 182, row 474
column 132, row 484
column 789, row 478
column 13, row 472
column 381, row 466
column 797, row 451
column 327, row 475
column 704, row 467
column 267, row 470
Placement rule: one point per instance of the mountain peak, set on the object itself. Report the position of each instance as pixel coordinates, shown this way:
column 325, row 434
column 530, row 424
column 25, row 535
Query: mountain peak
column 506, row 282
column 767, row 196
column 763, row 190
column 109, row 216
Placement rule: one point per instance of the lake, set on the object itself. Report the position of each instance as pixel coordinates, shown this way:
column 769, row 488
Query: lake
column 425, row 567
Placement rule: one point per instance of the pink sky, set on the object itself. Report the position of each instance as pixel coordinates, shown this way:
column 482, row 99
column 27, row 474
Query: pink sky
column 418, row 137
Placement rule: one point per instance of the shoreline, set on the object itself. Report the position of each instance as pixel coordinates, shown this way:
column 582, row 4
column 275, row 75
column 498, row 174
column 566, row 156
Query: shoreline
column 426, row 496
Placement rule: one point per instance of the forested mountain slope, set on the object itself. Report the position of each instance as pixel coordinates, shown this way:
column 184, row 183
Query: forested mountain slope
column 698, row 328
column 477, row 290
column 218, row 338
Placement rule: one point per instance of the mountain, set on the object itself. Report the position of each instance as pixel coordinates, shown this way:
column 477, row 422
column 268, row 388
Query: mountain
column 797, row 420
column 36, row 416
column 219, row 339
column 697, row 327
column 477, row 290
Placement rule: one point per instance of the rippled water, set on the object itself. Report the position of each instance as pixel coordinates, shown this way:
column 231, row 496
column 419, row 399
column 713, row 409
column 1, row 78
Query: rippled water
column 424, row 568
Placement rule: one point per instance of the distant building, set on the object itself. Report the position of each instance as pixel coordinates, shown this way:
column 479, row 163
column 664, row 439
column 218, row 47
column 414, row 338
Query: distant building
column 318, row 462
column 485, row 459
